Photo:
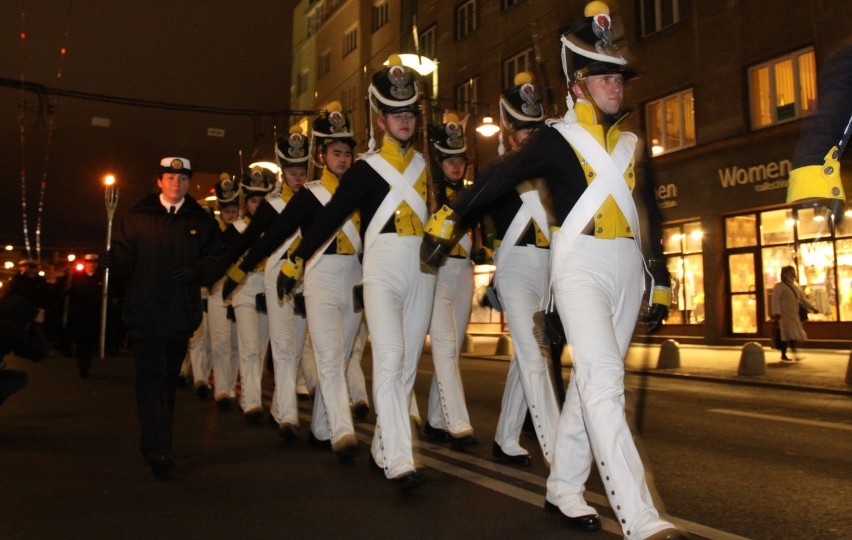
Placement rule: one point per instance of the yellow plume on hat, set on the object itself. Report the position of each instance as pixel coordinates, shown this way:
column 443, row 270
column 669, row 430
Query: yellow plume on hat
column 394, row 60
column 524, row 77
column 224, row 176
column 334, row 106
column 450, row 117
column 595, row 8
column 295, row 128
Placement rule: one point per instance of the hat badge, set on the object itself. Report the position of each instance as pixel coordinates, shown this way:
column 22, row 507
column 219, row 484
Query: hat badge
column 256, row 178
column 454, row 135
column 399, row 79
column 337, row 121
column 177, row 164
column 602, row 28
column 530, row 105
column 297, row 143
column 227, row 189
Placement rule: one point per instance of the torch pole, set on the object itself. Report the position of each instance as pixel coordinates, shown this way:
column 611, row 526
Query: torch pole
column 111, row 200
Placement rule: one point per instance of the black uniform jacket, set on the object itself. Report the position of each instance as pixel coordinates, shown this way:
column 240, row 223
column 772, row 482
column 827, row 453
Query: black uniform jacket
column 361, row 188
column 238, row 242
column 150, row 246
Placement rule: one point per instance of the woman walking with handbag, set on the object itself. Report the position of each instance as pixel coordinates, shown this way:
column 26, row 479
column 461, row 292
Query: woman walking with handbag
column 789, row 309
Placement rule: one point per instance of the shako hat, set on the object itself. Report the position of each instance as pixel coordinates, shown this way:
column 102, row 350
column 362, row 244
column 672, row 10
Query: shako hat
column 448, row 138
column 176, row 165
column 292, row 149
column 332, row 125
column 394, row 88
column 592, row 45
column 520, row 106
column 227, row 190
column 257, row 181
column 90, row 257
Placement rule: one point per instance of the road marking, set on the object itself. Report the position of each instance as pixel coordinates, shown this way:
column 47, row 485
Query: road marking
column 516, row 492
column 776, row 418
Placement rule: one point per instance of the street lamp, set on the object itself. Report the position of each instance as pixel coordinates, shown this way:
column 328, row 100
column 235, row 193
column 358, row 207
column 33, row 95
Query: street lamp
column 487, row 128
column 111, row 201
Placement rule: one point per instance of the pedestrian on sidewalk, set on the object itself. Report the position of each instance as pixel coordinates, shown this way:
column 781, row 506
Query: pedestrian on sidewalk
column 789, row 306
column 166, row 248
column 84, row 311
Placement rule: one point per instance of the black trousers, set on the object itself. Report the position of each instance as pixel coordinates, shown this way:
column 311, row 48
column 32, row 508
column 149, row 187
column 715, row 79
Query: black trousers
column 158, row 361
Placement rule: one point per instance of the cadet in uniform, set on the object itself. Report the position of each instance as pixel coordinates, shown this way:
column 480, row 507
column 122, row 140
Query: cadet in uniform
column 522, row 260
column 597, row 277
column 224, row 343
column 448, row 418
column 166, row 247
column 249, row 301
column 389, row 189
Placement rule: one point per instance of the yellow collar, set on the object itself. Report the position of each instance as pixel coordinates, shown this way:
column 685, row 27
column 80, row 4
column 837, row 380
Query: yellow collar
column 395, row 155
column 329, row 180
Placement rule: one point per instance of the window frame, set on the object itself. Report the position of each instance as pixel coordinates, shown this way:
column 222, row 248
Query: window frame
column 799, row 111
column 529, row 57
column 350, row 40
column 676, row 6
column 464, row 26
column 683, row 123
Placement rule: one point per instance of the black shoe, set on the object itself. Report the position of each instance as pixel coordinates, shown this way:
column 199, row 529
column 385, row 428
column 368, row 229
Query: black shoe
column 408, row 481
column 181, row 382
column 589, row 523
column 11, row 380
column 375, row 466
column 161, row 463
column 223, row 403
column 360, row 410
column 528, row 428
column 303, row 397
column 500, row 455
column 202, row 391
column 435, row 434
column 346, row 453
column 254, row 415
column 288, row 432
column 318, row 443
column 460, row 443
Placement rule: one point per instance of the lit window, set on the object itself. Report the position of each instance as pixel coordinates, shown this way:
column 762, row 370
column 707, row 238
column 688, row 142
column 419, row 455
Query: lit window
column 658, row 14
column 682, row 245
column 671, row 122
column 466, row 18
column 783, row 89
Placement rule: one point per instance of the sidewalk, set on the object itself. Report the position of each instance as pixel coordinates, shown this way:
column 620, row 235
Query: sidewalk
column 820, row 370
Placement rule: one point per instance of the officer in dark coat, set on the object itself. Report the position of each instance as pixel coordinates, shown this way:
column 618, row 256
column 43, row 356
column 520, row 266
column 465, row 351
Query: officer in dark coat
column 166, row 248
column 84, row 310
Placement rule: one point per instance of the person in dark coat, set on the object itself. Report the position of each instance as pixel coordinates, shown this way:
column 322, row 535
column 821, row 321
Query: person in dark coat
column 84, row 311
column 22, row 333
column 30, row 284
column 166, row 248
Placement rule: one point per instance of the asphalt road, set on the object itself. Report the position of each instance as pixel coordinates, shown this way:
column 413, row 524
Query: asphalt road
column 727, row 462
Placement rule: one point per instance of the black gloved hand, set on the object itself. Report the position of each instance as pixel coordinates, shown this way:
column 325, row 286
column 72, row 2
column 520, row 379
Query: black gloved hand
column 284, row 284
column 230, row 314
column 228, row 288
column 183, row 276
column 433, row 253
column 479, row 256
column 656, row 315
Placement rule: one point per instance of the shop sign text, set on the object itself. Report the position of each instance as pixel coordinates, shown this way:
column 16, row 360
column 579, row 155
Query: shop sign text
column 764, row 177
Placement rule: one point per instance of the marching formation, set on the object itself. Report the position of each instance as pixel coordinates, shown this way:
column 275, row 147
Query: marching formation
column 385, row 244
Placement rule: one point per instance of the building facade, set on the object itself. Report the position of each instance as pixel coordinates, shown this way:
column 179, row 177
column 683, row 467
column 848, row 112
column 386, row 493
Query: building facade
column 721, row 92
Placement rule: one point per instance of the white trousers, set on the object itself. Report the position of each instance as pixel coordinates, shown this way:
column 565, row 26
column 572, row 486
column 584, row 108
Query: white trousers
column 522, row 285
column 598, row 290
column 224, row 345
column 253, row 335
column 333, row 325
column 450, row 314
column 398, row 304
column 200, row 354
column 354, row 372
column 287, row 333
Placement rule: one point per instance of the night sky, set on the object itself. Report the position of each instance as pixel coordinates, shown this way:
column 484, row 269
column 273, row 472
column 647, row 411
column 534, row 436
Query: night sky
column 227, row 54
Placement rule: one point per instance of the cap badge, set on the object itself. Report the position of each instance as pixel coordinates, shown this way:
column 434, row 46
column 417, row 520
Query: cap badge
column 177, row 164
column 602, row 27
column 530, row 105
column 337, row 121
column 399, row 78
column 227, row 189
column 256, row 178
column 454, row 135
column 297, row 142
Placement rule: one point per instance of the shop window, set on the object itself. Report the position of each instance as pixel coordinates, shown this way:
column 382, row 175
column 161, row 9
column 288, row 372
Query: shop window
column 741, row 231
column 671, row 122
column 682, row 246
column 783, row 89
column 466, row 19
column 523, row 61
column 658, row 14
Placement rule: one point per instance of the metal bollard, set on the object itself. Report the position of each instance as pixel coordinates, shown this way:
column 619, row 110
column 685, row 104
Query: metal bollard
column 752, row 360
column 669, row 355
column 504, row 346
column 468, row 347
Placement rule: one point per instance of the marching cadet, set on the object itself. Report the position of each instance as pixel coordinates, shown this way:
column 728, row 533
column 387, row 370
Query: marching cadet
column 448, row 418
column 522, row 260
column 329, row 279
column 222, row 327
column 389, row 189
column 249, row 301
column 597, row 272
